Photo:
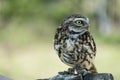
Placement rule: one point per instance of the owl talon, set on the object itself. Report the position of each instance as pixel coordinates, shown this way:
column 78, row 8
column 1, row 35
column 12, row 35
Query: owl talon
column 83, row 71
column 71, row 70
column 63, row 73
column 80, row 70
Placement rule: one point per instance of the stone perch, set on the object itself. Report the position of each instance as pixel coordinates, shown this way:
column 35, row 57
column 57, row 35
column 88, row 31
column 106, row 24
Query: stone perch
column 90, row 76
column 78, row 73
column 4, row 78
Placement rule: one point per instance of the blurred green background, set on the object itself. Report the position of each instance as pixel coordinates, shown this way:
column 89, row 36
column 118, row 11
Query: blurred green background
column 27, row 30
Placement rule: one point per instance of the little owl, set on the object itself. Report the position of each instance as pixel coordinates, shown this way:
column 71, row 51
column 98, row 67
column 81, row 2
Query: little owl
column 74, row 43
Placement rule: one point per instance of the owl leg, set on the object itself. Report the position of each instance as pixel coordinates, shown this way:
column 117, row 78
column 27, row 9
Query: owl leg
column 69, row 71
column 84, row 68
column 77, row 69
column 88, row 69
column 80, row 70
column 93, row 69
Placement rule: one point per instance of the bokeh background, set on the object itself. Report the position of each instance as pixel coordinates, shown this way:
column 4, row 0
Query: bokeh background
column 27, row 30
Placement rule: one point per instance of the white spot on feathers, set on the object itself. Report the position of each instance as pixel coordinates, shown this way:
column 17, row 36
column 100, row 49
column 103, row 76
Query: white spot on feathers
column 70, row 44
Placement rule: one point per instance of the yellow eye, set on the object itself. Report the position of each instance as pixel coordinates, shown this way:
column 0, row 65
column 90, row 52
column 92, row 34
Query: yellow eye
column 78, row 22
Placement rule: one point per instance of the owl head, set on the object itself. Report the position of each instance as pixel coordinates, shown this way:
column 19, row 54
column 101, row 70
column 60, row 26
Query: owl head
column 76, row 23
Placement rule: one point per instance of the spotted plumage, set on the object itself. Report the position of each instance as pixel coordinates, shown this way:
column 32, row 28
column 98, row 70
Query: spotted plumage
column 74, row 43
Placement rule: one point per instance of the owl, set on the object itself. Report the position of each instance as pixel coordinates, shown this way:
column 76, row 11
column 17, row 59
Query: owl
column 74, row 43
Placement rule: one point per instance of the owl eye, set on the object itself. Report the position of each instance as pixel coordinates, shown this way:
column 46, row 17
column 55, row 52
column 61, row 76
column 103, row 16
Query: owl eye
column 78, row 22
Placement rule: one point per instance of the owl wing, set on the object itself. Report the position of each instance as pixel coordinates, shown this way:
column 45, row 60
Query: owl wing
column 93, row 45
column 57, row 40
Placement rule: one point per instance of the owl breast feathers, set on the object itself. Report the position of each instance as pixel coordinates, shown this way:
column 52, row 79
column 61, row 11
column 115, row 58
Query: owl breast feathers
column 74, row 43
